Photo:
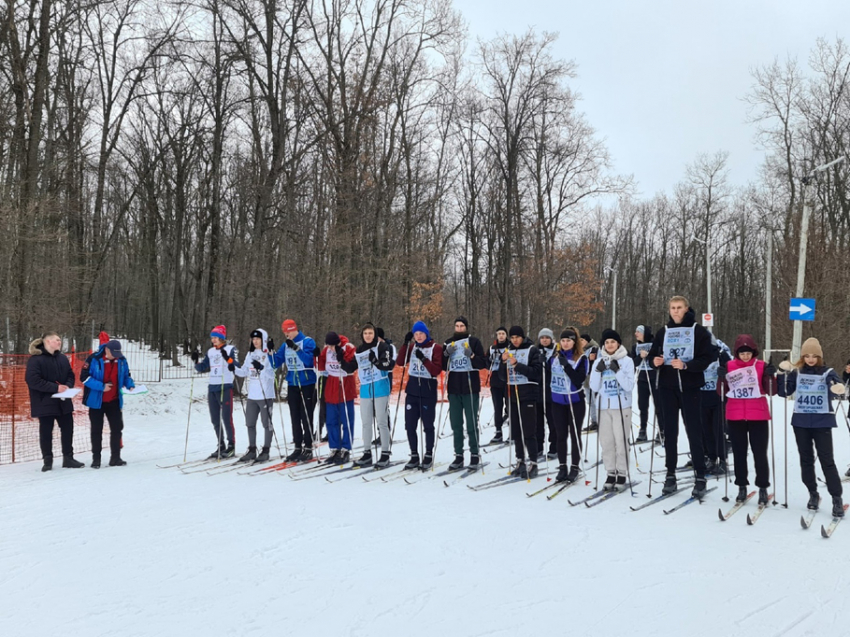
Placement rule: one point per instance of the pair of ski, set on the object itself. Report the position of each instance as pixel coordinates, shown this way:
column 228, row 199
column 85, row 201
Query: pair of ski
column 751, row 518
column 559, row 486
column 356, row 471
column 604, row 494
column 457, row 475
column 825, row 531
column 498, row 482
column 680, row 487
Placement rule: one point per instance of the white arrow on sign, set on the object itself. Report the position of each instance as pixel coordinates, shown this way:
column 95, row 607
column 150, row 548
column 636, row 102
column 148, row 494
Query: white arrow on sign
column 801, row 309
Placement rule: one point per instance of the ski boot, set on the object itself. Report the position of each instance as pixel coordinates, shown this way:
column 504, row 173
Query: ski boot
column 572, row 476
column 742, row 494
column 95, row 462
column 383, row 461
column 562, row 474
column 427, row 461
column 669, row 484
column 699, row 489
column 229, row 452
column 621, row 483
column 263, row 457
column 116, row 461
column 331, row 459
column 532, row 471
column 641, row 437
column 48, row 465
column 763, row 498
column 413, row 463
column 306, row 455
column 497, row 440
column 457, row 464
column 218, row 453
column 250, row 455
column 837, row 507
column 68, row 462
column 519, row 470
column 365, row 460
column 474, row 461
column 342, row 457
column 610, row 483
column 814, row 501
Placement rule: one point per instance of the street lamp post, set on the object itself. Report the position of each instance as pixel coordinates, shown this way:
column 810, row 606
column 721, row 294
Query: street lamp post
column 707, row 244
column 614, row 306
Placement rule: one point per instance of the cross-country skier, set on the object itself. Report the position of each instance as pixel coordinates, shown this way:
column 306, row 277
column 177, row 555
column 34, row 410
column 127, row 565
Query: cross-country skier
column 567, row 372
column 374, row 363
column 546, row 345
column 711, row 411
column 260, row 374
column 497, row 384
column 813, row 386
column 424, row 358
column 612, row 379
column 337, row 359
column 220, row 361
column 463, row 356
column 591, row 350
column 645, row 377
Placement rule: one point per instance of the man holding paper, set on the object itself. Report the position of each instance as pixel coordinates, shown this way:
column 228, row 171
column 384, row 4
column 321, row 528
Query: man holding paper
column 48, row 373
column 104, row 374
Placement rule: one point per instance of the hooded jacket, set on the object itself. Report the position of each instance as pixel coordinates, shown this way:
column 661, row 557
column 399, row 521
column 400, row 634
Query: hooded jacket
column 692, row 376
column 613, row 391
column 339, row 384
column 92, row 376
column 532, row 371
column 460, row 382
column 260, row 383
column 495, row 361
column 45, row 372
column 786, row 385
column 302, row 360
column 424, row 385
column 643, row 367
column 747, row 408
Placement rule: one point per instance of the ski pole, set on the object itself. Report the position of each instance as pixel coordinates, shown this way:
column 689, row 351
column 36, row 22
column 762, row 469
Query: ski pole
column 345, row 411
column 472, row 410
column 522, row 429
column 785, row 421
column 442, row 422
column 596, row 486
column 400, row 388
column 510, row 414
column 270, row 409
column 685, row 422
column 625, row 442
column 725, row 425
column 654, row 431
column 772, row 448
column 189, row 418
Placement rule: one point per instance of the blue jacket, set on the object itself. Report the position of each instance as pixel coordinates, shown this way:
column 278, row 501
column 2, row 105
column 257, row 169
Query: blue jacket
column 92, row 377
column 306, row 347
column 788, row 385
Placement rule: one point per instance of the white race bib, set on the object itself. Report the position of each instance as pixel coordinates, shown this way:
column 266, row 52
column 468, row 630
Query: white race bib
column 644, row 362
column 366, row 371
column 812, row 395
column 514, row 377
column 457, row 361
column 744, row 383
column 417, row 367
column 678, row 343
column 710, row 375
column 332, row 365
column 610, row 387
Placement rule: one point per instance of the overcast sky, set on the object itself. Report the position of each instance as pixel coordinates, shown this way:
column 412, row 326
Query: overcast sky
column 664, row 80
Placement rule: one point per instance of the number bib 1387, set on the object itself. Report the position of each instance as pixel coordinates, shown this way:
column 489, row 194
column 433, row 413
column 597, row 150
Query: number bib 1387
column 812, row 395
column 678, row 343
column 744, row 383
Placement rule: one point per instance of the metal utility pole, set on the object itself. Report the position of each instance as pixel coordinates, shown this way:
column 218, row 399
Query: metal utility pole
column 614, row 307
column 801, row 262
column 707, row 244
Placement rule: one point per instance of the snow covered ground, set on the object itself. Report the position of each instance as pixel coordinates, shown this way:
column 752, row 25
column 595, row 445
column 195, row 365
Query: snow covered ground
column 141, row 550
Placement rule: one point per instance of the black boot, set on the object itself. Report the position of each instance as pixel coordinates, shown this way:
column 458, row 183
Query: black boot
column 365, row 460
column 68, row 462
column 295, row 455
column 669, row 484
column 457, row 463
column 218, row 453
column 532, row 470
column 250, row 455
column 742, row 494
column 116, row 461
column 498, row 439
column 610, row 483
column 95, row 462
column 331, row 459
column 837, row 507
column 229, row 452
column 413, row 463
column 641, row 437
column 621, row 483
column 306, row 455
column 474, row 461
column 519, row 469
column 699, row 489
column 427, row 461
column 572, row 476
column 763, row 498
column 814, row 501
column 264, row 455
column 342, row 457
column 48, row 464
column 383, row 461
column 562, row 474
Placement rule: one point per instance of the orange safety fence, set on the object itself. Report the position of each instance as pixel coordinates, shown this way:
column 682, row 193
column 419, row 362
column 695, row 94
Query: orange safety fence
column 19, row 440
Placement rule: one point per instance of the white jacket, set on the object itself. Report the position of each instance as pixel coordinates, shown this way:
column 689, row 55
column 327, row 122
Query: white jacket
column 613, row 390
column 260, row 383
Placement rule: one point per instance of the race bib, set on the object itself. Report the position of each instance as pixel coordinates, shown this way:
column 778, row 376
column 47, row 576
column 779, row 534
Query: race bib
column 678, row 343
column 812, row 396
column 710, row 375
column 457, row 361
column 744, row 383
column 293, row 362
column 610, row 387
column 332, row 365
column 366, row 371
column 497, row 360
column 514, row 377
column 417, row 368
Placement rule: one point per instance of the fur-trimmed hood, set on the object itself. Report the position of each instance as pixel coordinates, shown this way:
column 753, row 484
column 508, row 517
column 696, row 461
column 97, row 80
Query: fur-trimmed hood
column 37, row 347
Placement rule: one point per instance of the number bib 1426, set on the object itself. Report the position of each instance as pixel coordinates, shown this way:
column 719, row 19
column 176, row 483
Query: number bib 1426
column 610, row 386
column 744, row 383
column 678, row 343
column 812, row 396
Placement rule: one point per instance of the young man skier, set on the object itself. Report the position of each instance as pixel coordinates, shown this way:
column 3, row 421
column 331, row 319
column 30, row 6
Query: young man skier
column 220, row 361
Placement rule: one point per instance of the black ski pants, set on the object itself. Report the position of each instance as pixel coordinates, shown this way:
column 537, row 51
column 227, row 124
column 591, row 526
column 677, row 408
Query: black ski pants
column 819, row 439
column 758, row 434
column 112, row 412
column 544, row 419
column 568, row 421
column 674, row 401
column 713, row 437
column 66, row 432
column 498, row 396
column 416, row 408
column 302, row 404
column 646, row 391
column 524, row 428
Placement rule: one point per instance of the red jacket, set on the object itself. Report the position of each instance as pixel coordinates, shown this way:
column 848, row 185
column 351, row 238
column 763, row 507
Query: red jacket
column 339, row 389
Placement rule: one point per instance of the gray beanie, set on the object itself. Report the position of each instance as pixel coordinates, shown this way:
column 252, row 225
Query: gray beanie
column 545, row 332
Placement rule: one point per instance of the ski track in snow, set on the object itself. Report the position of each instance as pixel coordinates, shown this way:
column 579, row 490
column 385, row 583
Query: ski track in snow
column 146, row 551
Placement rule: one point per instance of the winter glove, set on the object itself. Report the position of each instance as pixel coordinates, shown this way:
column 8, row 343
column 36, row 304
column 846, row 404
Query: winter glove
column 600, row 366
column 195, row 355
column 408, row 337
column 419, row 354
column 770, row 370
column 231, row 365
column 340, row 353
column 450, row 349
column 786, row 366
column 721, row 373
column 291, row 345
column 838, row 389
column 372, row 358
column 614, row 366
column 270, row 344
column 467, row 352
column 257, row 365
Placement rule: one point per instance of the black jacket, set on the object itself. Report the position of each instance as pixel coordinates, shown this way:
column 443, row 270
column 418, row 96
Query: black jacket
column 460, row 382
column 533, row 371
column 495, row 358
column 45, row 372
column 704, row 355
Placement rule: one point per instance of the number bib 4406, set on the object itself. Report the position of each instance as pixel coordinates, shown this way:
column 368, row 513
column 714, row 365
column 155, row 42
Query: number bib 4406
column 744, row 383
column 812, row 396
column 678, row 343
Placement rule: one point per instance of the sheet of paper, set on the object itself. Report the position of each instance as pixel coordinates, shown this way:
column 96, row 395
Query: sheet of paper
column 68, row 393
column 138, row 389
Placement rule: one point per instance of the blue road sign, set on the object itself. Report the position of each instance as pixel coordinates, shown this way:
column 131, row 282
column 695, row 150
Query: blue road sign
column 802, row 310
